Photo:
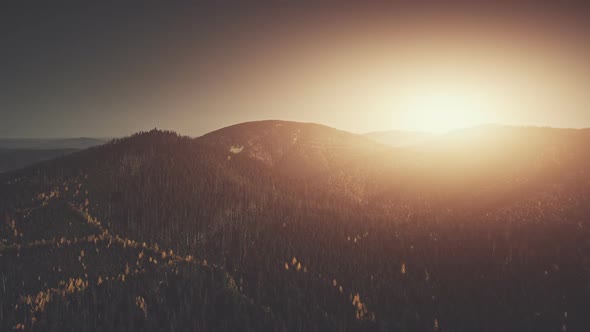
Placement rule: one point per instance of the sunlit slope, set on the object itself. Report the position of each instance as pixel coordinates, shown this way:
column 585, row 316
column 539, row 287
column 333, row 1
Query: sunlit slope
column 186, row 195
column 507, row 163
column 433, row 229
column 237, row 172
column 478, row 167
column 292, row 149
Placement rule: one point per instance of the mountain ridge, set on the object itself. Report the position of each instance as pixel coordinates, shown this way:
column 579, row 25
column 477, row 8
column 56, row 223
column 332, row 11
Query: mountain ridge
column 371, row 230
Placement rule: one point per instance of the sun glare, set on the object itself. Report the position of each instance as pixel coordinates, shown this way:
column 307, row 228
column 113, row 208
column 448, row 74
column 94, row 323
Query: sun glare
column 444, row 106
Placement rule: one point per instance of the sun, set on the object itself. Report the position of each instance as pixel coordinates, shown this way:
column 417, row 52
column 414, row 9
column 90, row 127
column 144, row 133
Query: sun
column 444, row 105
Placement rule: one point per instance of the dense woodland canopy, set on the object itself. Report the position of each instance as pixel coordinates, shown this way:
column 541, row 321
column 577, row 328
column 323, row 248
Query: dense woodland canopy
column 278, row 225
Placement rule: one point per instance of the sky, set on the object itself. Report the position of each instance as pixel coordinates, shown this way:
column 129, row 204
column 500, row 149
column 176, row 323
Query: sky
column 109, row 69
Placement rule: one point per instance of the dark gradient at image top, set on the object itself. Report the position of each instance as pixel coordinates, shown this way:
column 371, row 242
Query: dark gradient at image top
column 108, row 69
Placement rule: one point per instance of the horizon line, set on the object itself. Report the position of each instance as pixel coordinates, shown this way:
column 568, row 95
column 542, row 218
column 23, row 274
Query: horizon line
column 487, row 124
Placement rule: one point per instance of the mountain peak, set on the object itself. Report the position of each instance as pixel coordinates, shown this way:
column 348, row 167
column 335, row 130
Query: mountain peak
column 293, row 148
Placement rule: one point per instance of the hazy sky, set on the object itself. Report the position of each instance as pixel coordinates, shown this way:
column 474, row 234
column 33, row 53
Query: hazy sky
column 113, row 69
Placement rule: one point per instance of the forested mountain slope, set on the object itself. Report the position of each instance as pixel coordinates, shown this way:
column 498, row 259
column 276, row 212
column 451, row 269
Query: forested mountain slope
column 485, row 229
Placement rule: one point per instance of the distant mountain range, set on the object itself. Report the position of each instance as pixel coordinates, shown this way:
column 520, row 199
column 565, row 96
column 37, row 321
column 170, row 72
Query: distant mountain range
column 17, row 153
column 286, row 226
column 50, row 143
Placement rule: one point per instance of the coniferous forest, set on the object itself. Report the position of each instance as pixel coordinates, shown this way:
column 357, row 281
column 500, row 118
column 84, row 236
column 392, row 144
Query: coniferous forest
column 286, row 226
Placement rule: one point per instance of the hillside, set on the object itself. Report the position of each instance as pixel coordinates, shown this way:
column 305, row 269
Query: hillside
column 484, row 229
column 57, row 260
column 292, row 149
